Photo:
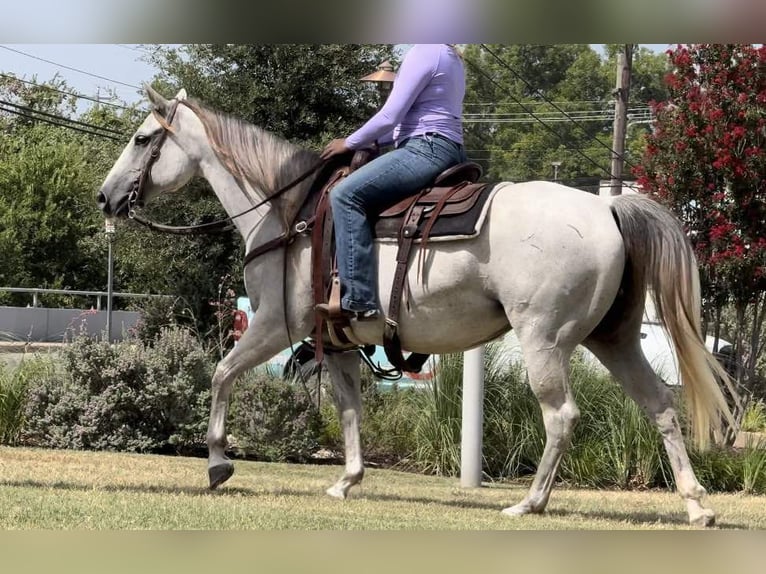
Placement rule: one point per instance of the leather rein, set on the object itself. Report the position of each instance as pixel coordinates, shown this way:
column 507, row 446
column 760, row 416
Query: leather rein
column 136, row 199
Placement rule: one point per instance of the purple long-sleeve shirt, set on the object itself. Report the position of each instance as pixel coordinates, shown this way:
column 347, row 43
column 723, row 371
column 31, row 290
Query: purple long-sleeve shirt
column 427, row 96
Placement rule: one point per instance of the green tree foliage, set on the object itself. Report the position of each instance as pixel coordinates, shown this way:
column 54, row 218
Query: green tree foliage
column 705, row 159
column 306, row 93
column 514, row 90
column 48, row 175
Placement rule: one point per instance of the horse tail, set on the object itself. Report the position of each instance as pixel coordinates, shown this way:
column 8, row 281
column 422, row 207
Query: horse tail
column 659, row 256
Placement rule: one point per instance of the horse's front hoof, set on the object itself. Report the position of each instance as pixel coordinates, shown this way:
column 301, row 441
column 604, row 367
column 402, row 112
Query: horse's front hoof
column 337, row 492
column 521, row 509
column 219, row 474
column 705, row 518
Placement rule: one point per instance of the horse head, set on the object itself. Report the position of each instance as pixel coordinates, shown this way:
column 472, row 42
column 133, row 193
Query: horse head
column 157, row 159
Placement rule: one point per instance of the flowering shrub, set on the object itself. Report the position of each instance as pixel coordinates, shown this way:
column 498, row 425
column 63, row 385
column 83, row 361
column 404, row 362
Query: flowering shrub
column 706, row 160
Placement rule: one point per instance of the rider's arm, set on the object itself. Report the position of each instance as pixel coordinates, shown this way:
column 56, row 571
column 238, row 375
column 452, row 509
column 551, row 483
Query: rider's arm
column 414, row 74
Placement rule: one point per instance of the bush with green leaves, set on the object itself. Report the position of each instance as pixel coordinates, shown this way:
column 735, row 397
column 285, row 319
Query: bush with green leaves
column 273, row 419
column 754, row 417
column 614, row 445
column 130, row 396
column 389, row 416
column 14, row 384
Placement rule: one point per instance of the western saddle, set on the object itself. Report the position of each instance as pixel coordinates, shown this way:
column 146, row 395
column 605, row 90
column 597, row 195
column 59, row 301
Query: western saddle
column 454, row 195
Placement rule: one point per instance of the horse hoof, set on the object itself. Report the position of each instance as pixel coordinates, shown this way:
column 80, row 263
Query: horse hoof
column 521, row 509
column 705, row 519
column 336, row 492
column 219, row 474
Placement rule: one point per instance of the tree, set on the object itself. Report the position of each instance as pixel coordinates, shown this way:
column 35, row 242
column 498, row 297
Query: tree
column 48, row 175
column 306, row 93
column 568, row 88
column 705, row 159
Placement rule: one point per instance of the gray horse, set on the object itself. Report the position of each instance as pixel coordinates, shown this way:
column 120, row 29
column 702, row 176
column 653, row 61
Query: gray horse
column 559, row 266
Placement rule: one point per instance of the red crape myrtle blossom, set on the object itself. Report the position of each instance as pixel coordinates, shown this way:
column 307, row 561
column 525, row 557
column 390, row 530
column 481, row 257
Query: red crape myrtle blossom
column 705, row 159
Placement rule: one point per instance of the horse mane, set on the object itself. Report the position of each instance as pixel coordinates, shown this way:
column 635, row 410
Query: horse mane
column 253, row 154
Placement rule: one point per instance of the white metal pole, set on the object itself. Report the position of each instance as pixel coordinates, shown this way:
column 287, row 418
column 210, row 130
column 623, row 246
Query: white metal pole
column 109, row 228
column 473, row 417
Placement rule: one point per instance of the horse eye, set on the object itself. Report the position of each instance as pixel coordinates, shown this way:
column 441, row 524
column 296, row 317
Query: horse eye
column 141, row 140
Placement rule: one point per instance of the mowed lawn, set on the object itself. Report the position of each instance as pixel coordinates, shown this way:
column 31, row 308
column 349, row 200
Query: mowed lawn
column 84, row 490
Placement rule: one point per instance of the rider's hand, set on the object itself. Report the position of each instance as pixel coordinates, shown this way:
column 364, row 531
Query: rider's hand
column 335, row 147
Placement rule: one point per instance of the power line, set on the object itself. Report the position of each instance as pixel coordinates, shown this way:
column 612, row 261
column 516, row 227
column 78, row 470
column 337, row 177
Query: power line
column 582, row 116
column 576, row 111
column 533, row 103
column 537, row 91
column 138, row 48
column 75, row 128
column 128, row 47
column 61, row 118
column 68, row 67
column 635, row 110
column 532, row 114
column 73, row 94
column 55, row 123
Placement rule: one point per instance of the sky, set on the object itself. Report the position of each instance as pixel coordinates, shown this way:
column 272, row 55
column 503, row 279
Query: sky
column 102, row 67
column 94, row 69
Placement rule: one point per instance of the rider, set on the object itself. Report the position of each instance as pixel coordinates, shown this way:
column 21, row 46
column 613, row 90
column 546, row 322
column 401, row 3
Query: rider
column 423, row 118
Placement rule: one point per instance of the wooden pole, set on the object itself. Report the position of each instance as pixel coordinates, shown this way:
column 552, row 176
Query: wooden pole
column 621, row 93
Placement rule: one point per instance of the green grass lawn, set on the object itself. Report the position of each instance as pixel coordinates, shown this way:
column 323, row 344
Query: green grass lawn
column 85, row 490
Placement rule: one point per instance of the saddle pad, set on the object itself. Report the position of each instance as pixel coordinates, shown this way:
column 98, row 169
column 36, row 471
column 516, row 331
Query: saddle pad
column 447, row 227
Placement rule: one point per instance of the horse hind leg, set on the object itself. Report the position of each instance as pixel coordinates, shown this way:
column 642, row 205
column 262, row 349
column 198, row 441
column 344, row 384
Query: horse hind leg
column 345, row 376
column 548, row 368
column 626, row 361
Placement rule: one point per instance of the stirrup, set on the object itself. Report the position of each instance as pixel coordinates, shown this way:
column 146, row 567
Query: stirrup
column 326, row 312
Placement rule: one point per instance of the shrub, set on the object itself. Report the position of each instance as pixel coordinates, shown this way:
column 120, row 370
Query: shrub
column 13, row 394
column 614, row 443
column 388, row 423
column 157, row 313
column 753, row 469
column 514, row 435
column 754, row 418
column 273, row 419
column 437, row 429
column 130, row 396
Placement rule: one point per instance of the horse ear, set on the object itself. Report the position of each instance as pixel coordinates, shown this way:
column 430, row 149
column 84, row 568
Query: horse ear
column 157, row 100
column 181, row 95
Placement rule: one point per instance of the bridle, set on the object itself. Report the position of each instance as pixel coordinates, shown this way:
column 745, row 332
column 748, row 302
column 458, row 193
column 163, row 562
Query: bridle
column 136, row 196
column 137, row 192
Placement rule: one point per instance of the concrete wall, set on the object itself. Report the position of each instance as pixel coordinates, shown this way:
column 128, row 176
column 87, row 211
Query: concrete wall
column 40, row 324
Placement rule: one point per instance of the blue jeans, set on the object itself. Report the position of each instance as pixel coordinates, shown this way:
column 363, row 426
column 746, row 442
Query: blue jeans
column 375, row 186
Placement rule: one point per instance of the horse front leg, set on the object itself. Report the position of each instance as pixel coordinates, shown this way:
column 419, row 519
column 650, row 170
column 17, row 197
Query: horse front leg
column 347, row 394
column 257, row 345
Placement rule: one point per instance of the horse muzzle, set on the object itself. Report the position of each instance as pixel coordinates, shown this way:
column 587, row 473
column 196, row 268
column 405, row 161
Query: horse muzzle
column 111, row 208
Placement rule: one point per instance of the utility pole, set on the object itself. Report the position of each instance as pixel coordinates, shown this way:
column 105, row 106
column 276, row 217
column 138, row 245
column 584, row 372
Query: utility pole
column 621, row 92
